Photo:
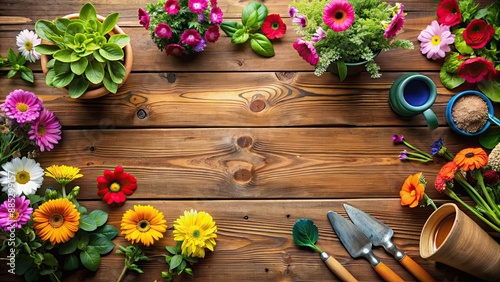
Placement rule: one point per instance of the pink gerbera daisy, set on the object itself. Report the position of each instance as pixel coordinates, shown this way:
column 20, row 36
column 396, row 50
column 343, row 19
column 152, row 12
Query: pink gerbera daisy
column 46, row 130
column 216, row 15
column 174, row 49
column 172, row 7
column 21, row 105
column 14, row 213
column 307, row 51
column 338, row 15
column 197, row 6
column 435, row 40
column 163, row 30
column 396, row 24
column 190, row 37
column 212, row 33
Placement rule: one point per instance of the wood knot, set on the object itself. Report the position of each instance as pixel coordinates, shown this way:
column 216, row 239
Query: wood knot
column 142, row 114
column 245, row 141
column 242, row 175
column 171, row 77
column 285, row 75
column 257, row 106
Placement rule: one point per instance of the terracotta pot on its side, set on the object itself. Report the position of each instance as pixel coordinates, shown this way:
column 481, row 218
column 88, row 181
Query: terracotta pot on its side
column 97, row 91
column 451, row 237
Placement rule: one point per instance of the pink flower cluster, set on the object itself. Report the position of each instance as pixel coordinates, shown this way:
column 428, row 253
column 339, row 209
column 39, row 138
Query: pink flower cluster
column 182, row 26
column 25, row 107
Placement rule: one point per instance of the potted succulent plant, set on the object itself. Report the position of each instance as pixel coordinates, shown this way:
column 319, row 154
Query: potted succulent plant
column 85, row 53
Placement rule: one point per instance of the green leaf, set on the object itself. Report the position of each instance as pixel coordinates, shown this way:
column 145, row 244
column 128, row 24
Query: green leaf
column 78, row 67
column 450, row 80
column 62, row 24
column 171, row 250
column 50, row 260
column 71, row 263
column 75, row 28
column 62, row 80
column 27, row 74
column 230, row 27
column 68, row 247
column 11, row 73
column 98, row 57
column 305, row 234
column 11, row 56
column 254, row 9
column 109, row 23
column 101, row 243
column 47, row 29
column 490, row 138
column 111, row 52
column 251, row 21
column 87, row 223
column 176, row 261
column 90, row 258
column 49, row 77
column 341, row 69
column 99, row 216
column 110, row 84
column 107, row 230
column 240, row 36
column 116, row 72
column 490, row 88
column 460, row 43
column 262, row 45
column 47, row 49
column 66, row 56
column 88, row 12
column 94, row 72
column 120, row 39
column 23, row 263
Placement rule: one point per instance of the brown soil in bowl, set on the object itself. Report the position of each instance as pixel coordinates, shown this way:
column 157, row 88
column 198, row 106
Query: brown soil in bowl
column 470, row 113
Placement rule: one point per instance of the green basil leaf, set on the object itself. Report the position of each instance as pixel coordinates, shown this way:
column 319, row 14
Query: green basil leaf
column 79, row 66
column 100, row 217
column 11, row 73
column 68, row 247
column 111, row 52
column 116, row 71
column 230, row 27
column 101, row 243
column 119, row 39
column 107, row 230
column 262, row 45
column 252, row 21
column 240, row 36
column 247, row 14
column 71, row 263
column 11, row 56
column 49, row 259
column 450, row 80
column 87, row 223
column 176, row 261
column 171, row 250
column 27, row 74
column 90, row 258
column 78, row 86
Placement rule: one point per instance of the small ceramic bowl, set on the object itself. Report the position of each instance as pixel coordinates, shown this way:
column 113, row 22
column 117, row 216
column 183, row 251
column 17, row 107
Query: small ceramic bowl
column 451, row 122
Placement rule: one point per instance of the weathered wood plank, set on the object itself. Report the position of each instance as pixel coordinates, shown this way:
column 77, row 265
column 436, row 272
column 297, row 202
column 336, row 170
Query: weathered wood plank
column 270, row 163
column 255, row 242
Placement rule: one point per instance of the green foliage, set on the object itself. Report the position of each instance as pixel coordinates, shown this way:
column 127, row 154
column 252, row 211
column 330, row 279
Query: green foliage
column 83, row 52
column 177, row 263
column 252, row 17
column 17, row 64
column 133, row 254
column 305, row 234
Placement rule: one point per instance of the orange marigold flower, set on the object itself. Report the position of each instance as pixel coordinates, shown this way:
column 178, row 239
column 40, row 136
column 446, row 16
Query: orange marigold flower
column 413, row 190
column 471, row 158
column 447, row 172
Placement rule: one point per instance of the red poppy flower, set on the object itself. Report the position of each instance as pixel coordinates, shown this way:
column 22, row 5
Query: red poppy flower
column 448, row 13
column 478, row 33
column 476, row 69
column 113, row 186
column 273, row 26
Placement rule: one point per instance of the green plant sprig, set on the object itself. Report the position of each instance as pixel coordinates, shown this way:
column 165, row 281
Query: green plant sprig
column 133, row 254
column 17, row 64
column 252, row 17
column 177, row 262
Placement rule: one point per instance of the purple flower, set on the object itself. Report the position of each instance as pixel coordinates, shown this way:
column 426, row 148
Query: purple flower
column 17, row 216
column 190, row 37
column 397, row 138
column 436, row 146
column 216, row 15
column 21, row 105
column 201, row 46
column 143, row 18
column 318, row 35
column 163, row 30
column 45, row 131
column 300, row 20
column 403, row 155
column 292, row 11
column 197, row 6
column 172, row 7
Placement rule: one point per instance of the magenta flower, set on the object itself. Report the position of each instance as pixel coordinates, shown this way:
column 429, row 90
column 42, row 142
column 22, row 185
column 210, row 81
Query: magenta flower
column 14, row 213
column 163, row 30
column 172, row 7
column 143, row 18
column 292, row 11
column 197, row 6
column 216, row 15
column 318, row 35
column 396, row 24
column 397, row 138
column 300, row 20
column 45, row 131
column 21, row 105
column 174, row 49
column 338, row 15
column 435, row 40
column 212, row 34
column 190, row 37
column 307, row 51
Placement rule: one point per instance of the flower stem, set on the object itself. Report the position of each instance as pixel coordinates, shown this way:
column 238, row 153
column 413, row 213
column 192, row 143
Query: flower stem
column 429, row 201
column 422, row 156
column 416, row 149
column 124, row 270
column 490, row 201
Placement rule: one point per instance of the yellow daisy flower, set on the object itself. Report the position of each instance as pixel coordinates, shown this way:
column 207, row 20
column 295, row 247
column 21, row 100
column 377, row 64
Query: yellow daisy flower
column 63, row 174
column 143, row 224
column 56, row 220
column 197, row 231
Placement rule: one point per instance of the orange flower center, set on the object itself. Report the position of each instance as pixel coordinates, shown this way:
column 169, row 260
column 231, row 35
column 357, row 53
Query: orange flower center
column 339, row 16
column 56, row 220
column 14, row 215
column 22, row 107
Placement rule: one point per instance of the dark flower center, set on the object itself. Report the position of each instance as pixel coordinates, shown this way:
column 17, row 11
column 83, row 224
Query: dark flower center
column 469, row 155
column 339, row 15
column 143, row 226
column 56, row 220
column 275, row 25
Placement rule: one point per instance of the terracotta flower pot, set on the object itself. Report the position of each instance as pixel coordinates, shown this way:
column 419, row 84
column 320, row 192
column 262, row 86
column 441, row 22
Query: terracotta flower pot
column 96, row 91
column 451, row 237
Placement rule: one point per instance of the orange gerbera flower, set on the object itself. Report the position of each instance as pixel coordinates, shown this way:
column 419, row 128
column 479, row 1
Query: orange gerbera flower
column 471, row 158
column 447, row 172
column 56, row 220
column 413, row 190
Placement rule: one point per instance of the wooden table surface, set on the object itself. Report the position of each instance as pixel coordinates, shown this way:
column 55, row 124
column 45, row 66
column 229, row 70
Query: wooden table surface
column 256, row 142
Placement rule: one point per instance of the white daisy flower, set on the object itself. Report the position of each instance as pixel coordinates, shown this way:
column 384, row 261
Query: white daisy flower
column 26, row 41
column 21, row 176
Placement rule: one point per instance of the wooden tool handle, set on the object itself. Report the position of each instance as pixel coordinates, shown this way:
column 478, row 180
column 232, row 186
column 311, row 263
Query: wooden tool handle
column 386, row 273
column 339, row 270
column 416, row 270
